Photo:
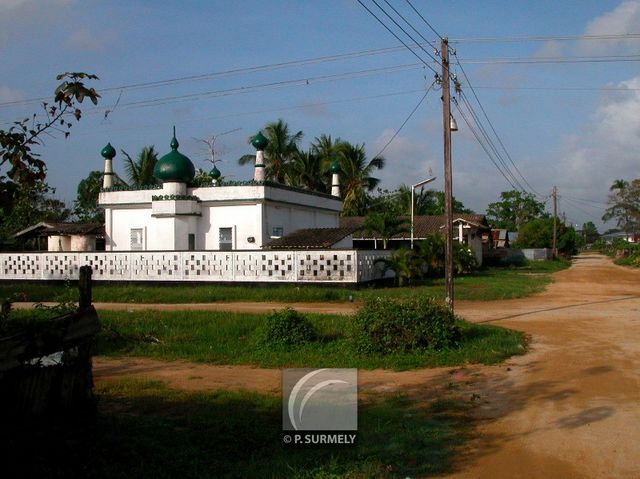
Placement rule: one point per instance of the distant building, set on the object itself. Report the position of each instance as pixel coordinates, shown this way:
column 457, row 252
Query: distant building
column 51, row 236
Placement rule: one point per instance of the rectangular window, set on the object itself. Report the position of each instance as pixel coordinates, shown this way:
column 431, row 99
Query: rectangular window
column 277, row 232
column 192, row 242
column 226, row 239
column 137, row 239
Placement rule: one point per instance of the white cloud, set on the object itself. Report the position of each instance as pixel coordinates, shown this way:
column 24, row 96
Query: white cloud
column 9, row 94
column 625, row 18
column 85, row 40
column 408, row 160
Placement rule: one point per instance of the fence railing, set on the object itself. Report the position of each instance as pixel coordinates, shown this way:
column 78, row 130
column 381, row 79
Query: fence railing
column 322, row 266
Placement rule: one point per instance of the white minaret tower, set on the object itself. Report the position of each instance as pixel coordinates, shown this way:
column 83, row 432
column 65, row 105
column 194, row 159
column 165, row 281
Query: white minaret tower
column 335, row 179
column 108, row 152
column 259, row 142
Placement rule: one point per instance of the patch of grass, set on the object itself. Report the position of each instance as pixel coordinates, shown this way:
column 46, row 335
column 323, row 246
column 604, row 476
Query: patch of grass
column 229, row 338
column 145, row 430
column 485, row 285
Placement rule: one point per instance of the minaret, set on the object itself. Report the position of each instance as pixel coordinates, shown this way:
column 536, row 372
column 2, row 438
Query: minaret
column 108, row 152
column 259, row 142
column 335, row 179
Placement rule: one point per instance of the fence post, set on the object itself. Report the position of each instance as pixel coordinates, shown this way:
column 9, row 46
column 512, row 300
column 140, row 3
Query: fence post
column 84, row 285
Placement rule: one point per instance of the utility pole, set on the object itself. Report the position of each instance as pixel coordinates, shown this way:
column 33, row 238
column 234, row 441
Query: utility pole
column 448, row 208
column 554, row 250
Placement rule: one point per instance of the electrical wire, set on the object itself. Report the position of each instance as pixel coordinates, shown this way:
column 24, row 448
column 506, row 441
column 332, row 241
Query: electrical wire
column 482, row 144
column 425, row 20
column 405, row 121
column 412, row 27
column 492, row 127
column 541, row 38
column 397, row 37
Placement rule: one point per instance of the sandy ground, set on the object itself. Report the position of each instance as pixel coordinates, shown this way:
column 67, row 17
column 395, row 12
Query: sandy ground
column 570, row 408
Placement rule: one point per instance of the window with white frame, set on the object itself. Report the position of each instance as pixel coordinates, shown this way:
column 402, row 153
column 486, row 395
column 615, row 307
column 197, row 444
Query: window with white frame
column 277, row 232
column 226, row 239
column 137, row 239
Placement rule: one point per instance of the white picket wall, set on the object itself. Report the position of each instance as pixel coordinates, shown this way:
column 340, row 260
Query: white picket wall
column 326, row 266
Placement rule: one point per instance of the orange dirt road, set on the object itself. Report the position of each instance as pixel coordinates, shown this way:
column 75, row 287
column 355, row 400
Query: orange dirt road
column 569, row 408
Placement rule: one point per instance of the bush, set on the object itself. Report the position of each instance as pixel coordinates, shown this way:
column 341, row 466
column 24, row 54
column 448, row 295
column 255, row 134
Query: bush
column 285, row 328
column 386, row 326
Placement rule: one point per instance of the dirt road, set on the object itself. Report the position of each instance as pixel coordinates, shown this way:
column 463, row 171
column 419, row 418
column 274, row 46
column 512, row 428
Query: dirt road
column 570, row 408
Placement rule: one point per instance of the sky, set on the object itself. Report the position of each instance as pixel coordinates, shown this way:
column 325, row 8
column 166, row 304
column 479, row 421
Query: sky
column 563, row 100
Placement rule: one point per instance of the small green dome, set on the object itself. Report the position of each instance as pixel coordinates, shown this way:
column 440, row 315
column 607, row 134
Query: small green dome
column 215, row 173
column 174, row 166
column 259, row 141
column 335, row 167
column 108, row 152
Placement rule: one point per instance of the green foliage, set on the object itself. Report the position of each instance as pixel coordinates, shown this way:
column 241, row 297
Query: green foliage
column 140, row 171
column 85, row 206
column 32, row 205
column 218, row 337
column 285, row 328
column 25, row 167
column 385, row 326
column 624, row 205
column 385, row 224
column 427, row 202
column 590, row 232
column 539, row 234
column 514, row 209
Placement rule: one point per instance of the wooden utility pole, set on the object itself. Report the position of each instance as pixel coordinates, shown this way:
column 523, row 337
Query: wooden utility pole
column 554, row 250
column 448, row 207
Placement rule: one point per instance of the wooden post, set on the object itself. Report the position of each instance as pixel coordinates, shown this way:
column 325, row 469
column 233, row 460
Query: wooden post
column 84, row 285
column 554, row 247
column 448, row 194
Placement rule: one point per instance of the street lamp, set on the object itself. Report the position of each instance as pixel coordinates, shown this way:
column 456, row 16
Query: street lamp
column 413, row 189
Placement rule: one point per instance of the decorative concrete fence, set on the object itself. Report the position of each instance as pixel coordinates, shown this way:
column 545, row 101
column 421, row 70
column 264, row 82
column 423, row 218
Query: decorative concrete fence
column 326, row 266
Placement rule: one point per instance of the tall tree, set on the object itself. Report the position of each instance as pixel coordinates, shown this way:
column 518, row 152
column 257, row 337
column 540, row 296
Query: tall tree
column 140, row 171
column 85, row 206
column 356, row 179
column 279, row 153
column 306, row 170
column 624, row 205
column 426, row 202
column 20, row 166
column 514, row 209
column 590, row 232
column 386, row 224
column 538, row 233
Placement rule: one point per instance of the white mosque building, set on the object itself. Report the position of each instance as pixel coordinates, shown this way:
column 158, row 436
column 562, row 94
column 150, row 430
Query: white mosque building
column 179, row 217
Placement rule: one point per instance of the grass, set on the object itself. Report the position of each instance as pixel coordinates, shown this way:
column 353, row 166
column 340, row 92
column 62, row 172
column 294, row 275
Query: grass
column 488, row 284
column 143, row 429
column 229, row 338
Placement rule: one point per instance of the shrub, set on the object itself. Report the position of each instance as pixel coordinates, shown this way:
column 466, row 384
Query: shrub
column 285, row 328
column 385, row 326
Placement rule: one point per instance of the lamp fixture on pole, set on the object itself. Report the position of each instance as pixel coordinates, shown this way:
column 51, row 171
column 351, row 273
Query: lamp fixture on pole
column 413, row 189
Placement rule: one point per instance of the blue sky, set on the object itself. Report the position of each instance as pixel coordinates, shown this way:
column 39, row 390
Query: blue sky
column 557, row 121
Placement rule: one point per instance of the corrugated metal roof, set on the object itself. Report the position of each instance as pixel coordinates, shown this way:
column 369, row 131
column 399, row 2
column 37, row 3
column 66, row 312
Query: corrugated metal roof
column 310, row 238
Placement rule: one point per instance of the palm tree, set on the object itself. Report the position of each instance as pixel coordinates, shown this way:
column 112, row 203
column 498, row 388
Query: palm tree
column 140, row 171
column 402, row 263
column 385, row 224
column 306, row 171
column 279, row 153
column 355, row 177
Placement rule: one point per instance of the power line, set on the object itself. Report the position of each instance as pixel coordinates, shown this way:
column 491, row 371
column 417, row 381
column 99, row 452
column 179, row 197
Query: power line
column 492, row 127
column 481, row 143
column 541, row 38
column 405, row 121
column 491, row 145
column 424, row 20
column 412, row 27
column 397, row 37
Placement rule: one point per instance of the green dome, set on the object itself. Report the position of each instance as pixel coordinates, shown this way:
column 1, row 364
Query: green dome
column 335, row 167
column 174, row 166
column 259, row 141
column 215, row 173
column 108, row 152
